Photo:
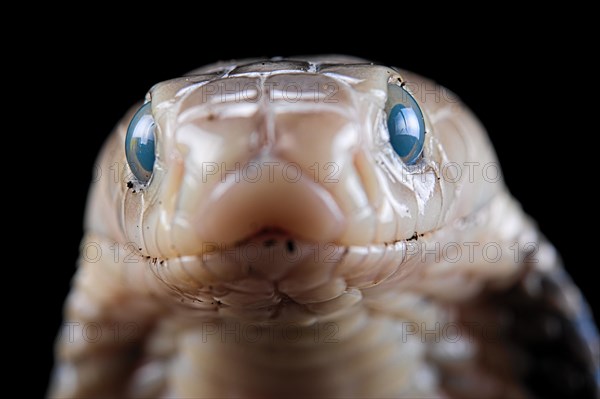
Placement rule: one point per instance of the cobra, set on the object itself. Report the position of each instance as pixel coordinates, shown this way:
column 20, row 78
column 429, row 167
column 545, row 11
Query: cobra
column 314, row 227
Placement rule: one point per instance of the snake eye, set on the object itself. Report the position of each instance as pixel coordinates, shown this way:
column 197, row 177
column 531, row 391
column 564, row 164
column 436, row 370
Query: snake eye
column 405, row 124
column 139, row 143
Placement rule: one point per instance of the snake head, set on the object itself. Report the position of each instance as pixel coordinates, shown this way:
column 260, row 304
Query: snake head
column 273, row 152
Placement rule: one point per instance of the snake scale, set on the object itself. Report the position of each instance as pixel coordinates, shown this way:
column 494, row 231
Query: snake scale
column 314, row 227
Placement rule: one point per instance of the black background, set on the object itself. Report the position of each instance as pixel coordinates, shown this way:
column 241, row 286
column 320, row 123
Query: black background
column 515, row 84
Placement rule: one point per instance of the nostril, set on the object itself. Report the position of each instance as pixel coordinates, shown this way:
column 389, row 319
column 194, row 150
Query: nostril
column 291, row 247
column 270, row 243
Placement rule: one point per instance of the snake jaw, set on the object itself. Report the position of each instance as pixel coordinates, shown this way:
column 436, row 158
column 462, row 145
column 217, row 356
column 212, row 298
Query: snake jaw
column 272, row 276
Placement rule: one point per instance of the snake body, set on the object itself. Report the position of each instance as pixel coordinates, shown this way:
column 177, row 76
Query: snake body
column 281, row 248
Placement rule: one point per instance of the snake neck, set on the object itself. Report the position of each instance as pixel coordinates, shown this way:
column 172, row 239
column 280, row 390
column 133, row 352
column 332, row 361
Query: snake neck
column 358, row 353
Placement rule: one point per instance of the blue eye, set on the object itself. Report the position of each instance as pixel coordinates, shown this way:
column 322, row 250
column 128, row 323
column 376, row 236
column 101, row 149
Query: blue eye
column 139, row 143
column 406, row 124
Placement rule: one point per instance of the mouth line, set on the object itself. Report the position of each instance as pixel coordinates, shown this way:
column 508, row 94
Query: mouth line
column 270, row 236
column 273, row 245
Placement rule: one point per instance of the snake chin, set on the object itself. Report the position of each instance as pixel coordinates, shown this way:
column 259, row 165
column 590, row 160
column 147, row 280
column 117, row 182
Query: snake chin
column 271, row 275
column 275, row 276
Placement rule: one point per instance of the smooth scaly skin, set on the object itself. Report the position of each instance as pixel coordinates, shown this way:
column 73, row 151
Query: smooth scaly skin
column 344, row 282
